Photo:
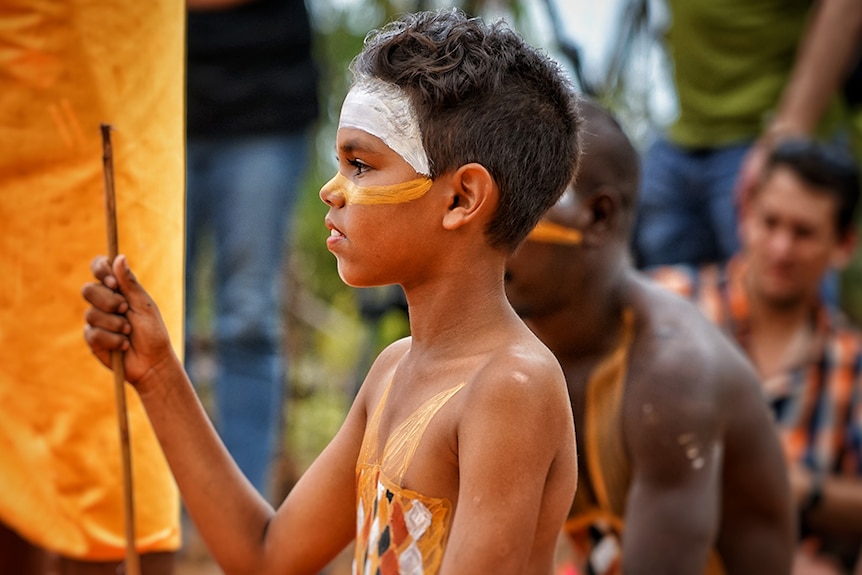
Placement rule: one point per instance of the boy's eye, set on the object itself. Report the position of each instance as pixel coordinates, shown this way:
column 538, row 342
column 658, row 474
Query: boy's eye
column 360, row 166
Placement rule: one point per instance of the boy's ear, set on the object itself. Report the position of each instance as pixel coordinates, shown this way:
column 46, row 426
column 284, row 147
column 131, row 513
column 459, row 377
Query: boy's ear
column 473, row 193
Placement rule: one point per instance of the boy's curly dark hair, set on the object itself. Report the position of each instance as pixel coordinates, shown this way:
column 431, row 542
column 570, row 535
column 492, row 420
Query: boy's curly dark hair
column 483, row 95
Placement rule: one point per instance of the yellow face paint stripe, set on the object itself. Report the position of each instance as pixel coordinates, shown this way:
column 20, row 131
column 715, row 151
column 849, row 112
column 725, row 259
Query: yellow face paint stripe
column 551, row 233
column 375, row 195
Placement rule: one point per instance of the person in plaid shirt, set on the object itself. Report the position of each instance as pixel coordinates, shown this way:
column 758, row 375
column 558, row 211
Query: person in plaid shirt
column 794, row 227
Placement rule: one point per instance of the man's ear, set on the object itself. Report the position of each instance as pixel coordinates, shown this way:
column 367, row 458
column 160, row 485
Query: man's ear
column 600, row 214
column 473, row 193
column 843, row 252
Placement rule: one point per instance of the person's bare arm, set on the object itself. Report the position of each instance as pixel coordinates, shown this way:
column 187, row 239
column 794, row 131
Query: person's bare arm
column 243, row 532
column 673, row 506
column 832, row 38
column 825, row 56
column 516, row 428
column 758, row 523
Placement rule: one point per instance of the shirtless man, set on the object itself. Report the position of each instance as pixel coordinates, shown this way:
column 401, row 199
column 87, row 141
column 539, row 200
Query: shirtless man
column 458, row 454
column 675, row 441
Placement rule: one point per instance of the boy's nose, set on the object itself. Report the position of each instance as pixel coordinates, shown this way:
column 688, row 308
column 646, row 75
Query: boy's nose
column 332, row 195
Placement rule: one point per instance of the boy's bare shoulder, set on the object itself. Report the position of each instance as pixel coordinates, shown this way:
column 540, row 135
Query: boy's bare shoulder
column 516, row 407
column 522, row 375
column 382, row 369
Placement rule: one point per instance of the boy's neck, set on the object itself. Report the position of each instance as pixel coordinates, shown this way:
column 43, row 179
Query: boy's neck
column 448, row 317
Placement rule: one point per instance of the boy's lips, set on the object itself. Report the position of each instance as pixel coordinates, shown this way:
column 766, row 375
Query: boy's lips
column 332, row 227
column 335, row 234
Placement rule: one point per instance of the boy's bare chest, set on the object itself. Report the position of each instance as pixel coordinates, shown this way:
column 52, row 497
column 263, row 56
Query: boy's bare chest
column 417, row 436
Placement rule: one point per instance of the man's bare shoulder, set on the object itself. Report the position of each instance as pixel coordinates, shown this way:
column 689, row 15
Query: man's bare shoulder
column 675, row 342
column 684, row 374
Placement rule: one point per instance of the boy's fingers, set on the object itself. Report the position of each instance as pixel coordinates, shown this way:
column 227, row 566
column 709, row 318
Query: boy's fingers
column 103, row 342
column 107, row 321
column 102, row 355
column 101, row 268
column 104, row 299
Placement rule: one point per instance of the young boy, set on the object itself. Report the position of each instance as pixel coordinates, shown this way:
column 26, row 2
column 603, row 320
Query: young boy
column 458, row 454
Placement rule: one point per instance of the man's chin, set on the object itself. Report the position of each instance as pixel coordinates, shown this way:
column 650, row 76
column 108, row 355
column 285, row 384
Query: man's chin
column 782, row 297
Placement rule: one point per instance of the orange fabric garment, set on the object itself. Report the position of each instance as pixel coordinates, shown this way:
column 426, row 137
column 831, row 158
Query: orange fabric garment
column 596, row 521
column 66, row 67
column 398, row 531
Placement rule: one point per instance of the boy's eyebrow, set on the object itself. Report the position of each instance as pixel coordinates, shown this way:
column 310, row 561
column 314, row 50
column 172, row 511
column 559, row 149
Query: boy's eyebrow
column 355, row 144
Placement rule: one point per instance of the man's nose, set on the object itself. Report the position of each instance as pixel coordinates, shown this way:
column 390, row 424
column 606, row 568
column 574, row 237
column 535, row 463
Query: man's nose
column 781, row 243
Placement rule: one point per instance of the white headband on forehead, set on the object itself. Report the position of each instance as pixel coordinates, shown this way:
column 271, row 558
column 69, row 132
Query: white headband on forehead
column 383, row 109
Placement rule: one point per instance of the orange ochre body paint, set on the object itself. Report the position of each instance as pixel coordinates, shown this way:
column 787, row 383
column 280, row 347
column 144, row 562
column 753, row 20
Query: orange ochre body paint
column 376, row 195
column 551, row 233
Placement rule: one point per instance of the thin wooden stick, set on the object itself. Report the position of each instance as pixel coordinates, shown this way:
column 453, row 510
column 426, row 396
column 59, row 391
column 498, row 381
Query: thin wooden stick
column 132, row 560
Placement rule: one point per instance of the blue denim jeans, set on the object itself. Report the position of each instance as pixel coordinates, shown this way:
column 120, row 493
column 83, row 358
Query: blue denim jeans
column 686, row 207
column 243, row 192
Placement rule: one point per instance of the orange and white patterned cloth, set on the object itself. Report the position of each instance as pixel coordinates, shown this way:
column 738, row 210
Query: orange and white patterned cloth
column 65, row 68
column 398, row 531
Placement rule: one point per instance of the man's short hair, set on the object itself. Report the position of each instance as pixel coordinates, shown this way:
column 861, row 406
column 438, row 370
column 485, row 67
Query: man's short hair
column 481, row 94
column 826, row 167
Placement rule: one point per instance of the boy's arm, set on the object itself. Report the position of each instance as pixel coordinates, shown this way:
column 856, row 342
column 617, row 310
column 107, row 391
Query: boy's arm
column 516, row 431
column 241, row 529
column 824, row 59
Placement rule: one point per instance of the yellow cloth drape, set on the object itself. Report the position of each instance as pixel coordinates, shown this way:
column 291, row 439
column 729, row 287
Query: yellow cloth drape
column 65, row 67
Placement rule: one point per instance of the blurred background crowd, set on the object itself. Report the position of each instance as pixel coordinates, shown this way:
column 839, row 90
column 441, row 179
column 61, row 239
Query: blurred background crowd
column 275, row 342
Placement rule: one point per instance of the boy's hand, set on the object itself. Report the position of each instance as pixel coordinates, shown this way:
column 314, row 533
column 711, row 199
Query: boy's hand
column 124, row 317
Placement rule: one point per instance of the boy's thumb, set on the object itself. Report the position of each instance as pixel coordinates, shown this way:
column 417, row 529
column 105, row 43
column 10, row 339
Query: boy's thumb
column 126, row 280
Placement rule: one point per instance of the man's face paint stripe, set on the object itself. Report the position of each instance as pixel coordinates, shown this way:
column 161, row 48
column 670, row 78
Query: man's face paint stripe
column 551, row 233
